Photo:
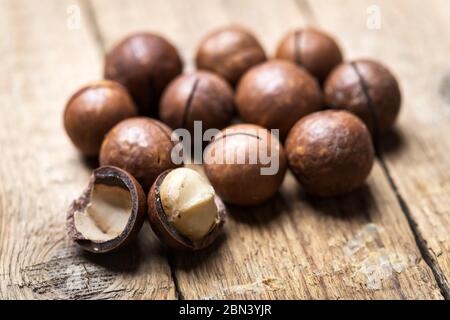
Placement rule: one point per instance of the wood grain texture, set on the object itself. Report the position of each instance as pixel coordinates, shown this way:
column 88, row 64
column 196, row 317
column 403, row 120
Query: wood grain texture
column 295, row 246
column 414, row 41
column 359, row 246
column 43, row 62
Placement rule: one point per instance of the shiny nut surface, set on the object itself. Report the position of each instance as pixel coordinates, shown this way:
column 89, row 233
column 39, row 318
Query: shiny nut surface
column 199, row 96
column 93, row 110
column 242, row 183
column 141, row 146
column 276, row 94
column 144, row 63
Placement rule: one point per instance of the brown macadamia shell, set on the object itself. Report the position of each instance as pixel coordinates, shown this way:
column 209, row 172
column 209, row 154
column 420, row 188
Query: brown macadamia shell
column 276, row 94
column 144, row 63
column 243, row 184
column 142, row 146
column 107, row 178
column 311, row 49
column 229, row 52
column 199, row 96
column 330, row 152
column 367, row 89
column 167, row 233
column 93, row 110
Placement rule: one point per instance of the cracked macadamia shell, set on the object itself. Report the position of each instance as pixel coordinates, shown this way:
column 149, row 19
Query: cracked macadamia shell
column 229, row 52
column 367, row 89
column 276, row 94
column 199, row 96
column 234, row 159
column 142, row 146
column 93, row 110
column 109, row 213
column 330, row 152
column 184, row 211
column 144, row 63
column 311, row 49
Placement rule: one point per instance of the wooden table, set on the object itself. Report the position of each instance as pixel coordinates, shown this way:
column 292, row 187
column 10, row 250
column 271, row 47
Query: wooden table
column 388, row 240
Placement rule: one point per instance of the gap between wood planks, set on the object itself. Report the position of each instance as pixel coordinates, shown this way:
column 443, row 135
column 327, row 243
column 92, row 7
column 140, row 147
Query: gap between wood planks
column 304, row 7
column 91, row 20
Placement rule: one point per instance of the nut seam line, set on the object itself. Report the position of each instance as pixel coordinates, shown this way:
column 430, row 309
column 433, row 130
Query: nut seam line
column 297, row 47
column 187, row 108
column 421, row 243
column 370, row 106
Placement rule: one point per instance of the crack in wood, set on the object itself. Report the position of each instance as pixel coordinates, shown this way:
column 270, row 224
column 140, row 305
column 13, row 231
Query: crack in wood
column 420, row 241
column 178, row 293
column 72, row 274
column 93, row 25
column 444, row 88
column 305, row 9
column 68, row 273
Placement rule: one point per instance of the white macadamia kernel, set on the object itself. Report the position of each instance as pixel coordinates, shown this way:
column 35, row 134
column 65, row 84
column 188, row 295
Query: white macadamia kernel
column 188, row 202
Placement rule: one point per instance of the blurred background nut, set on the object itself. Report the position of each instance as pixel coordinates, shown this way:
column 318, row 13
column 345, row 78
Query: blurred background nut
column 311, row 49
column 229, row 52
column 144, row 63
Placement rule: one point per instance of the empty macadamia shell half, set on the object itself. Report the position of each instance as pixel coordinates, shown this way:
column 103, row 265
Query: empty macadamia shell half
column 109, row 213
column 184, row 210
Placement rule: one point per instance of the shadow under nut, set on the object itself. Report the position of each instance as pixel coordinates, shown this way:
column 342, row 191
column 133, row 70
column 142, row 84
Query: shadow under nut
column 229, row 52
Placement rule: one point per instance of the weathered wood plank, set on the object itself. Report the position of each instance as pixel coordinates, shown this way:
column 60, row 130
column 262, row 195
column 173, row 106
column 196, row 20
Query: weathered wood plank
column 414, row 40
column 358, row 246
column 43, row 62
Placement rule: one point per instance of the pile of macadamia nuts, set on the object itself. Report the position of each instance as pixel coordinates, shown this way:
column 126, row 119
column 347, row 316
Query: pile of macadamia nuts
column 326, row 114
